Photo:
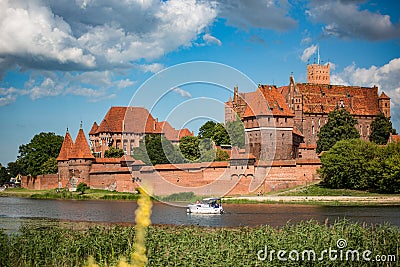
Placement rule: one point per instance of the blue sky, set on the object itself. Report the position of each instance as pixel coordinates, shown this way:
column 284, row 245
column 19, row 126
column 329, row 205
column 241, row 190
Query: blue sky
column 66, row 61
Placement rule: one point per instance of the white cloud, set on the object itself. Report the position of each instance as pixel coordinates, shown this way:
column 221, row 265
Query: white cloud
column 153, row 68
column 209, row 39
column 89, row 35
column 346, row 19
column 102, row 84
column 386, row 77
column 308, row 52
column 182, row 92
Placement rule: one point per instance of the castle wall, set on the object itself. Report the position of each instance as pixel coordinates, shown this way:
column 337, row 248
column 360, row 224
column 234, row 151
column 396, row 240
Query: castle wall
column 214, row 179
column 41, row 182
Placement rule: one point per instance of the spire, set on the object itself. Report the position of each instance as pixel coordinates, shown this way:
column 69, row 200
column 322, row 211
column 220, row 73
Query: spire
column 319, row 60
column 66, row 147
column 81, row 149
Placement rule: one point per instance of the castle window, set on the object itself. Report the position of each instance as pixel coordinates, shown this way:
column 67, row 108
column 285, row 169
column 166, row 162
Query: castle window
column 386, row 105
column 313, row 130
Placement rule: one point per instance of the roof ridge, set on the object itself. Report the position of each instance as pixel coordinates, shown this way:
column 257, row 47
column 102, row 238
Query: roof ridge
column 81, row 149
column 66, row 147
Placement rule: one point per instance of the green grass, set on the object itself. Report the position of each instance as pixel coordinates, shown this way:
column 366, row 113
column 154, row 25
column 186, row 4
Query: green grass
column 319, row 190
column 54, row 245
column 64, row 194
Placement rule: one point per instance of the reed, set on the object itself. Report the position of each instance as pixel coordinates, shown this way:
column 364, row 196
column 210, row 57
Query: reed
column 54, row 245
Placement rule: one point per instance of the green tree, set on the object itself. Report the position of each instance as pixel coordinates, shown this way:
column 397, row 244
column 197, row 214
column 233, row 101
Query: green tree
column 15, row 168
column 220, row 135
column 221, row 155
column 38, row 151
column 113, row 152
column 207, row 152
column 207, row 130
column 4, row 175
column 381, row 127
column 349, row 164
column 340, row 126
column 156, row 149
column 50, row 166
column 189, row 147
column 235, row 130
column 82, row 187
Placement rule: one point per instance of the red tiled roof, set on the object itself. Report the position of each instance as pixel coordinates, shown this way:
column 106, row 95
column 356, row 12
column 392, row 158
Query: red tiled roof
column 108, row 160
column 394, row 138
column 266, row 100
column 307, row 146
column 127, row 119
column 94, row 128
column 80, row 149
column 324, row 98
column 384, row 96
column 185, row 132
column 66, row 147
column 297, row 131
column 136, row 120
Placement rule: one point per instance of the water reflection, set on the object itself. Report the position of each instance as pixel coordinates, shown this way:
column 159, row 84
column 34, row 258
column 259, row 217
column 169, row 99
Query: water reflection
column 16, row 211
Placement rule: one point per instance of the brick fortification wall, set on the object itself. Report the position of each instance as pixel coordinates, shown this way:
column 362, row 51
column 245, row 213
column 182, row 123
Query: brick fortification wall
column 41, row 182
column 218, row 178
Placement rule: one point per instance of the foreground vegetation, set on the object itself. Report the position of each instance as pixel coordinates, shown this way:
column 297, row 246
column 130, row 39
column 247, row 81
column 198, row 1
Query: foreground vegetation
column 361, row 165
column 53, row 245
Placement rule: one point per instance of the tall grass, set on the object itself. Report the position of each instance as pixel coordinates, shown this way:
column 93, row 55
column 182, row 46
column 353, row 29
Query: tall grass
column 194, row 246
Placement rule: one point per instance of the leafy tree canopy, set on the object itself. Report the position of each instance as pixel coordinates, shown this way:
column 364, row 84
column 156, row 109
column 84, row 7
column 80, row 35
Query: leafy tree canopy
column 207, row 130
column 189, row 147
column 357, row 164
column 50, row 166
column 220, row 135
column 38, row 151
column 156, row 149
column 235, row 130
column 381, row 127
column 113, row 152
column 82, row 187
column 340, row 126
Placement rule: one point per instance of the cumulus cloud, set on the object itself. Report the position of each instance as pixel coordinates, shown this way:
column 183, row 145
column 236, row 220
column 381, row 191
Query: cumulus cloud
column 386, row 77
column 94, row 85
column 346, row 19
column 265, row 14
column 209, row 39
column 308, row 52
column 182, row 92
column 94, row 35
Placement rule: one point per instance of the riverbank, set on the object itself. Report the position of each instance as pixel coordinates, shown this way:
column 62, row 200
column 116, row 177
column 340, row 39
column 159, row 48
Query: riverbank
column 305, row 195
column 90, row 194
column 318, row 200
column 70, row 245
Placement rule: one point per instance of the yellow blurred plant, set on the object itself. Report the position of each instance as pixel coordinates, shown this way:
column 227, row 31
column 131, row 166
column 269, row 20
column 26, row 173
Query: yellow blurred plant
column 142, row 219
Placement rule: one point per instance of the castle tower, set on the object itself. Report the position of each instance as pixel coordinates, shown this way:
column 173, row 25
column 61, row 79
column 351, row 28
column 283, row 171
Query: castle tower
column 318, row 74
column 80, row 161
column 63, row 160
column 384, row 104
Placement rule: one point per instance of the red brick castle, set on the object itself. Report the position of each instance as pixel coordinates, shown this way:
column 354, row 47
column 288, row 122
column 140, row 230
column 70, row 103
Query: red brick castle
column 281, row 126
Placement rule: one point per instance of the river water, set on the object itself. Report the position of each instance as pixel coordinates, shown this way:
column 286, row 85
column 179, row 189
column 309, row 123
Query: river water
column 16, row 211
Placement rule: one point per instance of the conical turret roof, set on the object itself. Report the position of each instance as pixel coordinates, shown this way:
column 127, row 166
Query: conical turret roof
column 66, row 147
column 81, row 149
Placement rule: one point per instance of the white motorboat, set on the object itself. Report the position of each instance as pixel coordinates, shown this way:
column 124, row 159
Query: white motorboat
column 207, row 206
